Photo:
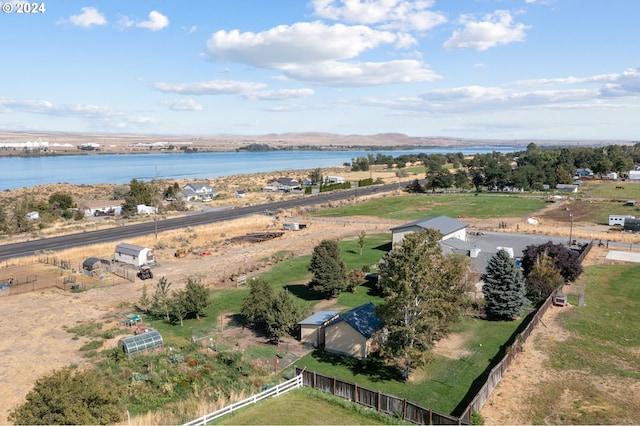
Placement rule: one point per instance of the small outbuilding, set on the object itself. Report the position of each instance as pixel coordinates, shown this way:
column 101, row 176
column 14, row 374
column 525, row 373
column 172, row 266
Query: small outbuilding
column 141, row 342
column 134, row 255
column 448, row 227
column 94, row 263
column 311, row 327
column 351, row 333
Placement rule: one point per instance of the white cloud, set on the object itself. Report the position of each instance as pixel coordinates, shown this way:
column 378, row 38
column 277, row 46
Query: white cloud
column 279, row 95
column 246, row 90
column 90, row 16
column 156, row 22
column 405, row 15
column 496, row 28
column 300, row 43
column 213, row 87
column 182, row 105
column 317, row 53
column 342, row 74
column 95, row 113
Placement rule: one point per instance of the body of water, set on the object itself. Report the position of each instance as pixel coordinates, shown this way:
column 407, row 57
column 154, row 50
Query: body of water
column 19, row 172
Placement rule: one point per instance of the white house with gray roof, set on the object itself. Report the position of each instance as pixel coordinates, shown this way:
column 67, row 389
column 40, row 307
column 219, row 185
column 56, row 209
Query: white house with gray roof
column 448, row 227
column 198, row 191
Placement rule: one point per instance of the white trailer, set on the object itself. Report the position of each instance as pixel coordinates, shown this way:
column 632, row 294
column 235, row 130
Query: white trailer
column 618, row 219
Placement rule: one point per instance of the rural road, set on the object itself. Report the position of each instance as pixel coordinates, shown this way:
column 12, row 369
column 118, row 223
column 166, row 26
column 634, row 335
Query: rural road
column 63, row 242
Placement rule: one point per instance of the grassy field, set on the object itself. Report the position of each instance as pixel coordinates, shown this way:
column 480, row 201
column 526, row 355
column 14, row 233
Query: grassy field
column 480, row 206
column 305, row 406
column 607, row 189
column 601, row 358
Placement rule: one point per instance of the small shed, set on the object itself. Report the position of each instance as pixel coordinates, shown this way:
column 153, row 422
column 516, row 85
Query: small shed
column 311, row 327
column 94, row 263
column 134, row 255
column 351, row 333
column 141, row 342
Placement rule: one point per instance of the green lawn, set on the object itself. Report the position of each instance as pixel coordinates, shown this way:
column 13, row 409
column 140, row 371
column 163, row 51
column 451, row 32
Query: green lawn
column 412, row 207
column 607, row 189
column 433, row 386
column 305, row 406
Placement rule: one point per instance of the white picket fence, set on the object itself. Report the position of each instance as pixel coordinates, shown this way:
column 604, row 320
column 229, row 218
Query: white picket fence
column 277, row 390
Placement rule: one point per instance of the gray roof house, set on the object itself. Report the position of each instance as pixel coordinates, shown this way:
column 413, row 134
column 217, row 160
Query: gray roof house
column 448, row 227
column 284, row 184
column 351, row 333
column 198, row 191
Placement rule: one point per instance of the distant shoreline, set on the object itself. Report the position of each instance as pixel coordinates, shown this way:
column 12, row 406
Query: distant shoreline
column 31, row 144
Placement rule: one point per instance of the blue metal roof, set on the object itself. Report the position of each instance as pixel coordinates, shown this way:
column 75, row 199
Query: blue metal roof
column 363, row 319
column 319, row 318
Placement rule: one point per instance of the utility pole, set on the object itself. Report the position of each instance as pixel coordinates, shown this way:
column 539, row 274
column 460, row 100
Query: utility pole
column 570, row 228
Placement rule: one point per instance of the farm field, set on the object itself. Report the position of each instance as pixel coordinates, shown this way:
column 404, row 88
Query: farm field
column 282, row 261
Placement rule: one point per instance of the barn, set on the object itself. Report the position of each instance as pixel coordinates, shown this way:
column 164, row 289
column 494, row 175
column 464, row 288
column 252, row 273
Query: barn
column 141, row 342
column 134, row 255
column 351, row 333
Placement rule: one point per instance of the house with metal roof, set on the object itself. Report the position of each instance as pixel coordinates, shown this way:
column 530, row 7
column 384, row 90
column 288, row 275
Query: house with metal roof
column 311, row 327
column 448, row 227
column 352, row 333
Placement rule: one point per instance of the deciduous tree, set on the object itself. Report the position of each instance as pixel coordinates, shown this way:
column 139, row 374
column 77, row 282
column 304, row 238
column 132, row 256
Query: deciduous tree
column 71, row 397
column 567, row 261
column 504, row 289
column 424, row 294
column 543, row 279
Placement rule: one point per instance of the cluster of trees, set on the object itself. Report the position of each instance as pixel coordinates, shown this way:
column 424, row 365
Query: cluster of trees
column 509, row 289
column 177, row 305
column 274, row 314
column 13, row 218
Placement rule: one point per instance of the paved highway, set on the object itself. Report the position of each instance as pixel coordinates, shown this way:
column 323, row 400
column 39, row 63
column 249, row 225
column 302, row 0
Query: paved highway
column 121, row 233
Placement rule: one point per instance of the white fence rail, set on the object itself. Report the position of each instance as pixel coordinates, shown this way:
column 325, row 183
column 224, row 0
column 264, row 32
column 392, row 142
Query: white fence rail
column 277, row 390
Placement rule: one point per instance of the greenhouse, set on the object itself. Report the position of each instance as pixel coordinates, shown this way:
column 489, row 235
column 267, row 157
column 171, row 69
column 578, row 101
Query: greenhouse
column 141, row 342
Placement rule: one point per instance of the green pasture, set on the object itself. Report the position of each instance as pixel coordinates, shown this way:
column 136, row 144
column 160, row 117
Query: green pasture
column 607, row 189
column 602, row 348
column 418, row 206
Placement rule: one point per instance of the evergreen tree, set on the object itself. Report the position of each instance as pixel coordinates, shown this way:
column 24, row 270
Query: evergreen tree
column 504, row 289
column 144, row 302
column 415, row 187
column 424, row 294
column 160, row 304
column 196, row 298
column 328, row 269
column 257, row 302
column 282, row 316
column 69, row 397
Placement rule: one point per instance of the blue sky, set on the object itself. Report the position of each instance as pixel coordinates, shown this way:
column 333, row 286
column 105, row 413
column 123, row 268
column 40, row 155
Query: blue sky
column 475, row 69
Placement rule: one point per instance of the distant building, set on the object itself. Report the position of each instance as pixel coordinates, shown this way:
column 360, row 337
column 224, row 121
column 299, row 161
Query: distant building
column 563, row 187
column 33, row 216
column 102, row 207
column 198, row 191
